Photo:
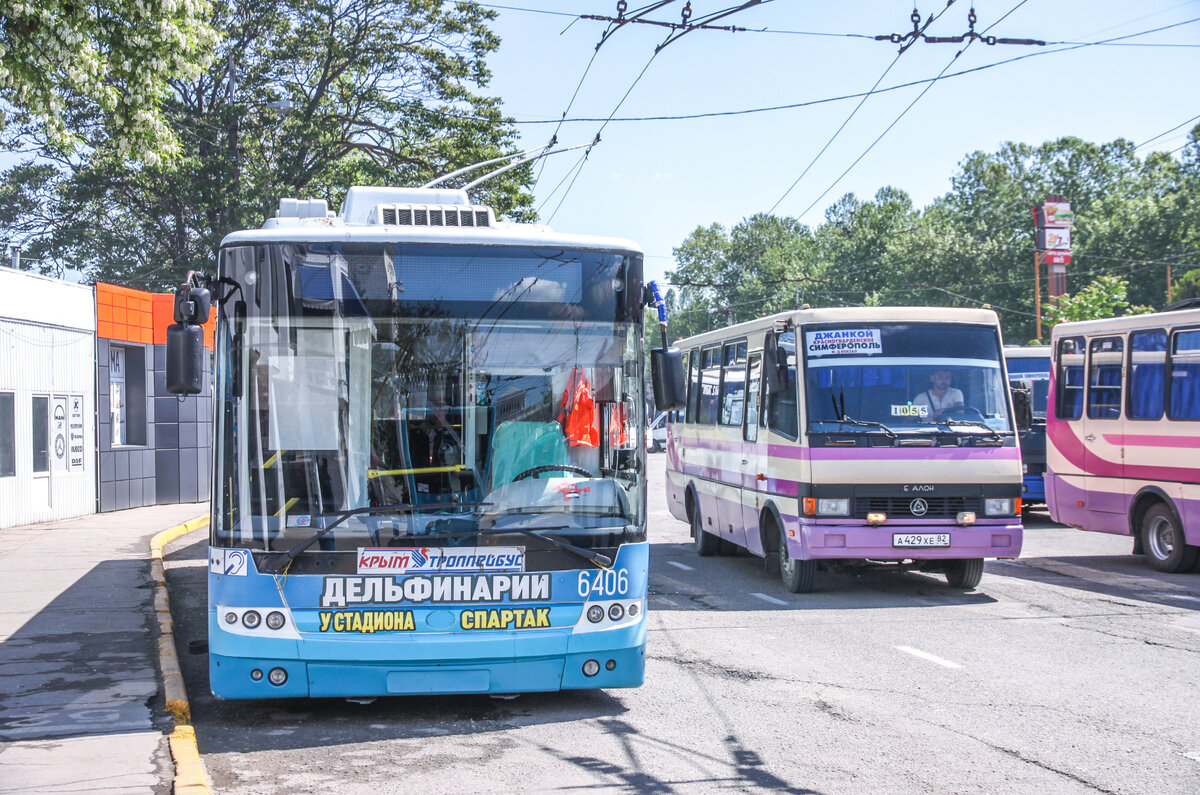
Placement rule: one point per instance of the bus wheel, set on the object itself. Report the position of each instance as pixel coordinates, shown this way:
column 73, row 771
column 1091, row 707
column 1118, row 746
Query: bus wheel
column 964, row 573
column 706, row 544
column 799, row 576
column 1163, row 541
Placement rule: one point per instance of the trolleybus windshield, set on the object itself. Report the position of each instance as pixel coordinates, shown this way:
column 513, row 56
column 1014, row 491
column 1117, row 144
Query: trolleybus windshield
column 473, row 388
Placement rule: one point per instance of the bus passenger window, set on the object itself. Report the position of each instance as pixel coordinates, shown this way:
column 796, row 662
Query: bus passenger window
column 750, row 434
column 693, row 389
column 1104, row 378
column 710, row 381
column 1185, row 376
column 733, row 384
column 1147, row 368
column 782, row 412
column 1069, row 397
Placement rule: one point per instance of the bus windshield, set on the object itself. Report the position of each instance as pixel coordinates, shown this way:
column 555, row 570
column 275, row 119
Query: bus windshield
column 439, row 391
column 908, row 378
column 1036, row 370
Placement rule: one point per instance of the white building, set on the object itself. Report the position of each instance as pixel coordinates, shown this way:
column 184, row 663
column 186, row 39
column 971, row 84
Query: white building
column 47, row 399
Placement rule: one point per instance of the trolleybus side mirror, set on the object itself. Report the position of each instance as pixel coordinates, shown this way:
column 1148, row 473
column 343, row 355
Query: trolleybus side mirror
column 1022, row 391
column 666, row 373
column 185, row 340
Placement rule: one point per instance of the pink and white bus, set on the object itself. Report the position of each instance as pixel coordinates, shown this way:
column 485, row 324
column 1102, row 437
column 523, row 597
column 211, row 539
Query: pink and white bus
column 1123, row 432
column 822, row 437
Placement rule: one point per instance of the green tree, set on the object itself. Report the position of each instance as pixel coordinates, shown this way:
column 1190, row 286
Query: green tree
column 304, row 98
column 115, row 57
column 1188, row 285
column 1105, row 297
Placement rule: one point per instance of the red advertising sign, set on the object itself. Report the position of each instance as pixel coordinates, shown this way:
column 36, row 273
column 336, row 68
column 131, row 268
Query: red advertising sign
column 1058, row 258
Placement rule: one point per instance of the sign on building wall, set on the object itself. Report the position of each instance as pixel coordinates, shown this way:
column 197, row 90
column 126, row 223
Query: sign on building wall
column 75, row 433
column 58, row 433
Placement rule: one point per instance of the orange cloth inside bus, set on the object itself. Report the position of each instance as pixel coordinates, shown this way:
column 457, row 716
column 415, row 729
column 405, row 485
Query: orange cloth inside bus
column 578, row 411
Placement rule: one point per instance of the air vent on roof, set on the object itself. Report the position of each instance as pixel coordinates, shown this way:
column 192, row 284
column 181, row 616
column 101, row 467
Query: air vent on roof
column 472, row 215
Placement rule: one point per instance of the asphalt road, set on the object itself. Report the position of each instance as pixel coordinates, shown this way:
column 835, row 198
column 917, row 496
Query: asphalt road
column 1075, row 669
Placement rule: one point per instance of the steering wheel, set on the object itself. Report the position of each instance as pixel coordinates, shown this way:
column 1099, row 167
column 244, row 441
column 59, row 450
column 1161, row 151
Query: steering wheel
column 533, row 471
column 966, row 412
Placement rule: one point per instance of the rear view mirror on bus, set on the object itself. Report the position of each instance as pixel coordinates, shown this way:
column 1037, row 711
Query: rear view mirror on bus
column 775, row 363
column 185, row 339
column 1022, row 391
column 666, row 371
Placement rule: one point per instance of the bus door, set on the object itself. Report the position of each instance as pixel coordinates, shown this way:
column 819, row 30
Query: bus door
column 1102, row 430
column 754, row 455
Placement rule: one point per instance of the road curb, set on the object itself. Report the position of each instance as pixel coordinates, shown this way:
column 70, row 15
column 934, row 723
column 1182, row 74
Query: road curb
column 190, row 775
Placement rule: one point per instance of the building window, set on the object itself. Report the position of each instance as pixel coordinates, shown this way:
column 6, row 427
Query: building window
column 127, row 394
column 41, row 434
column 8, row 435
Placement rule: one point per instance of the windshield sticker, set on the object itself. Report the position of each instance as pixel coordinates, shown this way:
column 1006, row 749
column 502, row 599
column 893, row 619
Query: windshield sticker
column 299, row 520
column 228, row 561
column 344, row 591
column 515, row 618
column 367, row 621
column 389, row 560
column 909, row 410
column 844, row 341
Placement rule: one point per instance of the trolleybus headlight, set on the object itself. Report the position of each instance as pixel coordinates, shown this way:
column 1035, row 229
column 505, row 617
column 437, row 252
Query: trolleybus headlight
column 591, row 668
column 633, row 609
column 965, row 517
column 251, row 619
column 595, row 614
column 998, row 507
column 231, row 617
column 256, row 674
column 616, row 612
column 611, row 664
column 833, row 507
column 277, row 676
column 275, row 619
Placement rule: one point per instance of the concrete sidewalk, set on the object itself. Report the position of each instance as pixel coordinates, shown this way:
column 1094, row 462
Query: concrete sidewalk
column 80, row 707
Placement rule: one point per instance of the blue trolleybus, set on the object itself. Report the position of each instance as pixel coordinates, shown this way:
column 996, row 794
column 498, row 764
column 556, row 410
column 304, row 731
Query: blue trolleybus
column 429, row 474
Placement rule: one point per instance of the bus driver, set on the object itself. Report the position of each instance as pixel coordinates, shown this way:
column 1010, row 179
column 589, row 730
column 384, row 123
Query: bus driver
column 940, row 397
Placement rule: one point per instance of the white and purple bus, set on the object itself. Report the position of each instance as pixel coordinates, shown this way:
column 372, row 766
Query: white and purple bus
column 850, row 435
column 1123, row 432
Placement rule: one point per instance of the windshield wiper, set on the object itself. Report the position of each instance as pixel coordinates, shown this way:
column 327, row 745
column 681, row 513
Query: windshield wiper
column 603, row 561
column 848, row 420
column 281, row 561
column 974, row 424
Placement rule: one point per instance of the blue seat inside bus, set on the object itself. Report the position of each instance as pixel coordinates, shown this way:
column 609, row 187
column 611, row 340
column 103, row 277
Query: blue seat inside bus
column 517, row 446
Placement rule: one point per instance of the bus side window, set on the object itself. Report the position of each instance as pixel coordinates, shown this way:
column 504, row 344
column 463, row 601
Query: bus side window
column 754, row 377
column 693, row 396
column 1147, row 375
column 710, row 382
column 733, row 384
column 1105, row 356
column 1185, row 376
column 1069, row 396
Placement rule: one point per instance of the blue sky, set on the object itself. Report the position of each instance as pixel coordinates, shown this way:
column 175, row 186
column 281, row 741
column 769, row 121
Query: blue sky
column 656, row 181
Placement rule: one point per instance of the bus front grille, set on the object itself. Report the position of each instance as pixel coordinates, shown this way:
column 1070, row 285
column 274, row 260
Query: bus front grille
column 911, row 507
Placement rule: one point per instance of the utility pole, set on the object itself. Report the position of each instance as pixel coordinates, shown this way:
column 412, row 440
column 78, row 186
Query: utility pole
column 1169, row 283
column 1037, row 291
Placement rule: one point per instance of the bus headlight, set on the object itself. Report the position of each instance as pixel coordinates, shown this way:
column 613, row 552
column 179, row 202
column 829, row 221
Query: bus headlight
column 251, row 619
column 833, row 507
column 998, row 506
column 595, row 614
column 275, row 619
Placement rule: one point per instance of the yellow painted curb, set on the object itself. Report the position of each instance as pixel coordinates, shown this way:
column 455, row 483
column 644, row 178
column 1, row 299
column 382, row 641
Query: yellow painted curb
column 190, row 776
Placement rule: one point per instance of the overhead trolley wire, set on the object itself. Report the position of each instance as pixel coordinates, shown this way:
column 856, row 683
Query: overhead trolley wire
column 904, row 48
column 1167, row 132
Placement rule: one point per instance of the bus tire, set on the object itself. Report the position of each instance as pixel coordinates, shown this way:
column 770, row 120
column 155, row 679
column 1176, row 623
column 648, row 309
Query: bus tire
column 799, row 576
column 964, row 573
column 1164, row 543
column 706, row 544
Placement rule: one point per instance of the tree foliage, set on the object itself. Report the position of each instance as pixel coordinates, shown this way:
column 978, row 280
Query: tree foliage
column 115, row 57
column 1106, row 296
column 970, row 247
column 304, row 98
